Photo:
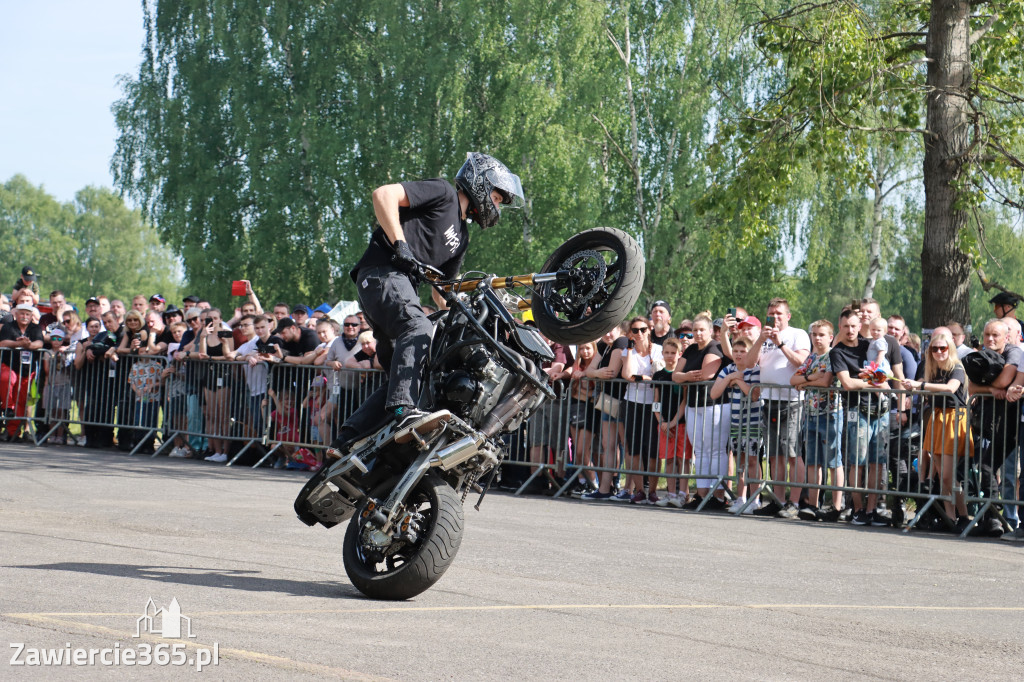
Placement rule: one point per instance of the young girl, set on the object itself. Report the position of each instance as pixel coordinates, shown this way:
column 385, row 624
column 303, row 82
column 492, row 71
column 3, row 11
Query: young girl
column 738, row 383
column 584, row 419
column 176, row 393
column 57, row 365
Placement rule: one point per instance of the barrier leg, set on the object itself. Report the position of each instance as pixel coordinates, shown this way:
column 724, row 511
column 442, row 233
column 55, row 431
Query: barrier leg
column 241, row 452
column 264, row 458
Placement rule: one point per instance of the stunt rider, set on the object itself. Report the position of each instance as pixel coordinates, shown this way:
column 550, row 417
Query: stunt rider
column 420, row 222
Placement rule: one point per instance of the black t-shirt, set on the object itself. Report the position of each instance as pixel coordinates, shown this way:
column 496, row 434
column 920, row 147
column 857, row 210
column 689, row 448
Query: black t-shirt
column 165, row 336
column 308, row 341
column 669, row 394
column 850, row 359
column 12, row 357
column 615, row 389
column 699, row 395
column 958, row 399
column 361, row 356
column 660, row 339
column 433, row 228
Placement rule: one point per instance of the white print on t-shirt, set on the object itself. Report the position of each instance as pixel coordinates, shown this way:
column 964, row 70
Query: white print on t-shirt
column 451, row 238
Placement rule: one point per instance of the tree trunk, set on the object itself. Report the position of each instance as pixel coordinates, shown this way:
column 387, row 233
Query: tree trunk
column 945, row 269
column 875, row 249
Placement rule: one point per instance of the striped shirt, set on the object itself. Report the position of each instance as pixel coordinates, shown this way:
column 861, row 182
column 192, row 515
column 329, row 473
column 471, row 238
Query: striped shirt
column 746, row 413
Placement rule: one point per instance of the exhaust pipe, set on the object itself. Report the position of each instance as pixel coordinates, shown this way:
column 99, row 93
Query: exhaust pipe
column 458, row 452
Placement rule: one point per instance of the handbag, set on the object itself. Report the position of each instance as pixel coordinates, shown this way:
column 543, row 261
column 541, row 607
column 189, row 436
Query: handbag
column 607, row 404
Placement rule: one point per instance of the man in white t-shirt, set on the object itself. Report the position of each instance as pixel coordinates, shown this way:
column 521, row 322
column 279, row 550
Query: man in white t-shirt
column 783, row 350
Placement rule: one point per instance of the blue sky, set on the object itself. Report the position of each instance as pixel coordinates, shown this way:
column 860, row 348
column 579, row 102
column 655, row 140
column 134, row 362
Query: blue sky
column 59, row 63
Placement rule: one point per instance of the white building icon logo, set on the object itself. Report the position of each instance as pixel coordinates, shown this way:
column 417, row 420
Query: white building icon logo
column 163, row 622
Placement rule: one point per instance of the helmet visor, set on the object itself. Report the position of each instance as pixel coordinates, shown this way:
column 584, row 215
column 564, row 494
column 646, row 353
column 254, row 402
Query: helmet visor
column 508, row 185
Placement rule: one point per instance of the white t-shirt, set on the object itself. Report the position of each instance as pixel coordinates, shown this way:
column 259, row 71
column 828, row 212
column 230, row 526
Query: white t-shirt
column 255, row 377
column 775, row 366
column 643, row 392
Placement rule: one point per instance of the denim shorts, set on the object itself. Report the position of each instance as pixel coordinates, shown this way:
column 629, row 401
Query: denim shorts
column 865, row 439
column 822, row 438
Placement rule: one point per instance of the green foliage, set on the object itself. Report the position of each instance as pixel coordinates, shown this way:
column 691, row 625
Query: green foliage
column 95, row 245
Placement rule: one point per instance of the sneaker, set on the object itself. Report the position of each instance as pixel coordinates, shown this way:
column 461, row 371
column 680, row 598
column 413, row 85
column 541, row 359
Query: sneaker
column 989, row 527
column 653, row 498
column 860, row 518
column 665, row 501
column 770, row 509
column 790, row 511
column 622, row 496
column 693, row 503
column 640, row 497
column 846, row 514
column 1014, row 535
column 403, row 416
column 752, row 508
column 961, row 525
column 217, row 458
column 808, row 513
column 829, row 514
column 177, row 452
column 736, row 505
column 678, row 501
column 596, row 496
column 715, row 504
column 899, row 515
column 879, row 520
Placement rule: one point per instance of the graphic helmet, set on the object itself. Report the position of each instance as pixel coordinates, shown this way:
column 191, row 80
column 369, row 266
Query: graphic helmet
column 478, row 177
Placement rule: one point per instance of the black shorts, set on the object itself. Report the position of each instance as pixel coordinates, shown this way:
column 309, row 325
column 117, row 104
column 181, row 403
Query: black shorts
column 641, row 430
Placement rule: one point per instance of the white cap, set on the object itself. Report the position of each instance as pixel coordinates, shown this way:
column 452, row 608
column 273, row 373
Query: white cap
column 25, row 306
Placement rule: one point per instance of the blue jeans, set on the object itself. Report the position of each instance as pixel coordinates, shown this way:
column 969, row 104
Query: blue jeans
column 865, row 439
column 822, row 434
column 1009, row 487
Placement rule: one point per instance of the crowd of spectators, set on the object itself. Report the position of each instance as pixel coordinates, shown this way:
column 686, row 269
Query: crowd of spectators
column 710, row 405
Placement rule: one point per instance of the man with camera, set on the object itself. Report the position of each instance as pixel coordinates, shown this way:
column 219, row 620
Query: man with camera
column 18, row 339
column 258, row 352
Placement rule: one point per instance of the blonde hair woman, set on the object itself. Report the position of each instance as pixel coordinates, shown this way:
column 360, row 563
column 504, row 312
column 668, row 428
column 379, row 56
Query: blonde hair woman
column 947, row 434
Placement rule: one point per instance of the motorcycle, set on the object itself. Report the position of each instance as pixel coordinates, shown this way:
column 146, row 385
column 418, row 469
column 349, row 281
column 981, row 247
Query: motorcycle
column 403, row 489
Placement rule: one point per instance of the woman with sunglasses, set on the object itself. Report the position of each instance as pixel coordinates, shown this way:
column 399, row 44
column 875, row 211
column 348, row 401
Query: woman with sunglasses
column 947, row 434
column 641, row 360
column 707, row 420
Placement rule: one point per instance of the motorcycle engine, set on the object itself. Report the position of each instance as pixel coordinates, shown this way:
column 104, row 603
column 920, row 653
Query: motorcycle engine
column 472, row 382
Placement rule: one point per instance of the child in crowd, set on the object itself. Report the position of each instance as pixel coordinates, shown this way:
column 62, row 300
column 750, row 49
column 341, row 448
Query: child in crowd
column 57, row 366
column 876, row 352
column 673, row 445
column 285, row 419
column 176, row 394
column 739, row 381
column 314, row 402
column 822, row 428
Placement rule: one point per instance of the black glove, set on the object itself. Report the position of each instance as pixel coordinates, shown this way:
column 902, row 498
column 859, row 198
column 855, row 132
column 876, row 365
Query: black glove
column 403, row 258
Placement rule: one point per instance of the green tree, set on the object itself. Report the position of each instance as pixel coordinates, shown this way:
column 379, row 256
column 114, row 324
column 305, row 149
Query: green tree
column 839, row 73
column 94, row 245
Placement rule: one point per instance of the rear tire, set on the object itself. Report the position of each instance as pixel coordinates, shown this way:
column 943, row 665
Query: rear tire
column 617, row 294
column 421, row 565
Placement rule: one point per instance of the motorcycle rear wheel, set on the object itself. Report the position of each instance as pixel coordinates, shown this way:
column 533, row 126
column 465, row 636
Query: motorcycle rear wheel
column 584, row 309
column 412, row 569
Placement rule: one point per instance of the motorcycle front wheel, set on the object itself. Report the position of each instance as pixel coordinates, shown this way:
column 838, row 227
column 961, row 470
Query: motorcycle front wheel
column 605, row 275
column 401, row 570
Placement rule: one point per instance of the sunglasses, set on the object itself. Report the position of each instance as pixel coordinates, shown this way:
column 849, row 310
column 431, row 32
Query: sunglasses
column 686, row 335
column 936, row 349
column 638, row 330
column 351, row 324
column 67, row 320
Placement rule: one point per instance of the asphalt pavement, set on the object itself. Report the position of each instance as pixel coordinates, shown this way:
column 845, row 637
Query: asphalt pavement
column 540, row 589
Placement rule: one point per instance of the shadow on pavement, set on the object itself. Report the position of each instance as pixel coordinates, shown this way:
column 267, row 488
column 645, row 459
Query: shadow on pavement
column 248, row 581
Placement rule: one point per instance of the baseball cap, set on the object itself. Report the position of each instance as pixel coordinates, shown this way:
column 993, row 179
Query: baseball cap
column 302, row 309
column 25, row 306
column 91, row 299
column 1004, row 298
column 28, row 274
column 193, row 313
column 191, row 299
column 719, row 322
column 662, row 304
column 158, row 297
column 284, row 324
column 323, row 308
column 57, row 333
column 750, row 321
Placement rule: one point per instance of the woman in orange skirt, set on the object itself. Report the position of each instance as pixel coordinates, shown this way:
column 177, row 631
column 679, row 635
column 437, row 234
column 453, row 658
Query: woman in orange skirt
column 947, row 433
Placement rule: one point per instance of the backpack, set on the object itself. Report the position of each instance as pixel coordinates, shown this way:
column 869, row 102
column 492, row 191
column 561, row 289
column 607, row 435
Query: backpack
column 983, row 366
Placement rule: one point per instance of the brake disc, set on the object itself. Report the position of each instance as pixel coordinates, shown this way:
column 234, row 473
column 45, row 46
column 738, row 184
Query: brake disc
column 580, row 299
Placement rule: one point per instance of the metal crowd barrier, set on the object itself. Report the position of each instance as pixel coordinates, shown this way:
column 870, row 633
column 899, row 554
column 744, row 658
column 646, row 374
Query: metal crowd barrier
column 913, row 447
